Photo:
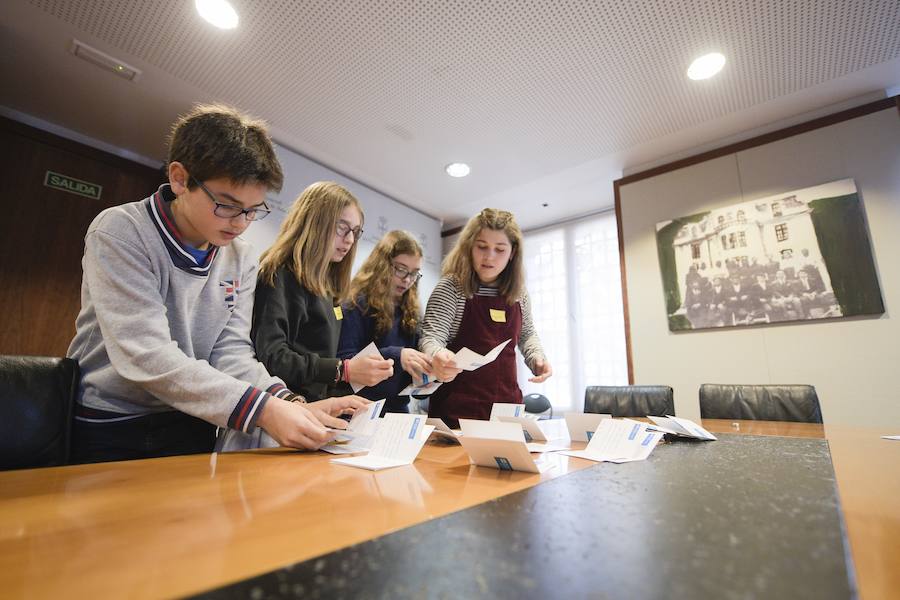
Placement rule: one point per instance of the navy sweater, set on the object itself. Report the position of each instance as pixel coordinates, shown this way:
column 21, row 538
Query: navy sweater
column 357, row 330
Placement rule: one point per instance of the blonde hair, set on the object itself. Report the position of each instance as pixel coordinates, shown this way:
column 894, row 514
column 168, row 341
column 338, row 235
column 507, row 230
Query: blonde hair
column 305, row 241
column 374, row 282
column 458, row 264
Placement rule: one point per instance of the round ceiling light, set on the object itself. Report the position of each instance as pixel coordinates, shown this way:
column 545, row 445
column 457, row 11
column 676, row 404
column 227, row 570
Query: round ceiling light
column 457, row 169
column 706, row 66
column 218, row 12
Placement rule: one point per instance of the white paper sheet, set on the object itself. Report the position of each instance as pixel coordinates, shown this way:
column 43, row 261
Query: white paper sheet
column 891, row 437
column 370, row 350
column 360, row 432
column 421, row 390
column 469, row 360
column 619, row 440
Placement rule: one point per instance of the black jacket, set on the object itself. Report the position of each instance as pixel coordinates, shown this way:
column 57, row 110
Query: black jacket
column 296, row 335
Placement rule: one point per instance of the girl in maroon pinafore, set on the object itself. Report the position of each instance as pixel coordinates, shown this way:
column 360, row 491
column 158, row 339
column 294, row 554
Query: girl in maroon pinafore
column 479, row 302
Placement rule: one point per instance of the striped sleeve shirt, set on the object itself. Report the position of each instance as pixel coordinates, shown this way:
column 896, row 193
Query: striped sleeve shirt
column 444, row 313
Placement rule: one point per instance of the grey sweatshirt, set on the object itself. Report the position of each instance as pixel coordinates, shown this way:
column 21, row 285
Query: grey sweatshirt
column 159, row 331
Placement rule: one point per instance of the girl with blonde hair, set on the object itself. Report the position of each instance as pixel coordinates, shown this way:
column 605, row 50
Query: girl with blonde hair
column 384, row 308
column 479, row 302
column 302, row 279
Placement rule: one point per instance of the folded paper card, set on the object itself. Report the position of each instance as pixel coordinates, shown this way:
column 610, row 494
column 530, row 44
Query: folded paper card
column 680, row 427
column 506, row 409
column 398, row 440
column 582, row 426
column 442, row 431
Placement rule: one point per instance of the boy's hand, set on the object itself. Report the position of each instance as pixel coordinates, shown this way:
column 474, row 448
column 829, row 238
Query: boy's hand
column 328, row 409
column 443, row 363
column 293, row 425
column 370, row 370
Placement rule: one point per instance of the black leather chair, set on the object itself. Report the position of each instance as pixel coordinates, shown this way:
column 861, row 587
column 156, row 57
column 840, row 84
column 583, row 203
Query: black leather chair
column 629, row 400
column 760, row 402
column 37, row 396
column 537, row 404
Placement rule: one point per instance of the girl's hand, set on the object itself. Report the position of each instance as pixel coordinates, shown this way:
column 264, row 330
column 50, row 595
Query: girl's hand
column 542, row 370
column 369, row 370
column 443, row 364
column 415, row 363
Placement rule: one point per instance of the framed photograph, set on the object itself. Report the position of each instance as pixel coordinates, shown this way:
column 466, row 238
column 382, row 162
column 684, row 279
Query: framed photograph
column 801, row 255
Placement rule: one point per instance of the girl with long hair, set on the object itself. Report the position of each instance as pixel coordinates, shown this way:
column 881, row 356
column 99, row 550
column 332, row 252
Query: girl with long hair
column 479, row 302
column 384, row 307
column 303, row 278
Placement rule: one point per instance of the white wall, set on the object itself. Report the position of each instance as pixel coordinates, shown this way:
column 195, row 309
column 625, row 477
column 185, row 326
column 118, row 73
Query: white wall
column 383, row 214
column 853, row 363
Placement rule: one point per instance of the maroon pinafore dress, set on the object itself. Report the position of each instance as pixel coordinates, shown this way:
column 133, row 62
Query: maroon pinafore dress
column 472, row 393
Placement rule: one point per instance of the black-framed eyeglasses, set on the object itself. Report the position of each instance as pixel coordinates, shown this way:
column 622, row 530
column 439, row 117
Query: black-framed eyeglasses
column 342, row 228
column 403, row 273
column 229, row 211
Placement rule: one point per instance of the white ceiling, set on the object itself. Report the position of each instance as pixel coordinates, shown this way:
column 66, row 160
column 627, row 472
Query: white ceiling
column 548, row 101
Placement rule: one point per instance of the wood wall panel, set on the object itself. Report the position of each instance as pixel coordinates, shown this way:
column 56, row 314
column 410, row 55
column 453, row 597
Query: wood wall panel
column 42, row 232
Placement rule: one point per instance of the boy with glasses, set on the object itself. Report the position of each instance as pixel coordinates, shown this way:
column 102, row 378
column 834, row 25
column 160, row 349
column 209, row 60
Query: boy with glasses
column 162, row 338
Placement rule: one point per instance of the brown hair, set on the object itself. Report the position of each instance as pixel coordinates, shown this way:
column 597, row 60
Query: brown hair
column 458, row 264
column 214, row 140
column 373, row 281
column 304, row 243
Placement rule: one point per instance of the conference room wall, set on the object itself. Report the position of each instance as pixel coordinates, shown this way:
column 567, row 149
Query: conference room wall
column 852, row 362
column 382, row 213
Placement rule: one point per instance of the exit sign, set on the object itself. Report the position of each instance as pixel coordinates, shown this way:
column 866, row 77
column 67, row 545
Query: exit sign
column 65, row 183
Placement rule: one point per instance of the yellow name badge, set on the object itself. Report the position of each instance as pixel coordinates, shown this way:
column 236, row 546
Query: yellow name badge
column 498, row 316
column 338, row 313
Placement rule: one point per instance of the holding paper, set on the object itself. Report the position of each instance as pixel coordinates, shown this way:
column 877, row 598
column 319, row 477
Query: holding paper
column 619, row 441
column 398, row 440
column 360, row 432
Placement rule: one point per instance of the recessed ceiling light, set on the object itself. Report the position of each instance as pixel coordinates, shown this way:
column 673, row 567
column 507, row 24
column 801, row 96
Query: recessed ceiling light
column 218, row 12
column 706, row 66
column 457, row 169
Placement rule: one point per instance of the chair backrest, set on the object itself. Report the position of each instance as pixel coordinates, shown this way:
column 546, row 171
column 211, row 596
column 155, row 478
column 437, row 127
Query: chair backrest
column 538, row 404
column 37, row 396
column 630, row 400
column 760, row 402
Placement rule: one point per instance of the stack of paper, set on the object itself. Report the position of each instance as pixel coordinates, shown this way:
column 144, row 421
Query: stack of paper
column 582, row 426
column 398, row 440
column 498, row 445
column 360, row 432
column 619, row 441
column 680, row 427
